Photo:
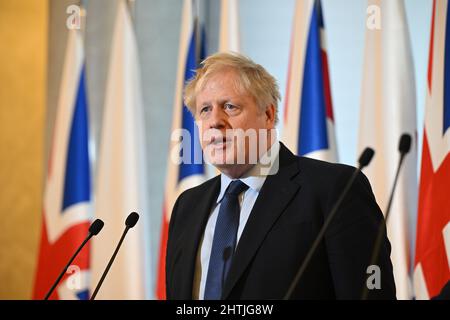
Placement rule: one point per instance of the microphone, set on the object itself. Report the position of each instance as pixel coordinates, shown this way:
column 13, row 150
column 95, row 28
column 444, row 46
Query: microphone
column 404, row 146
column 363, row 161
column 94, row 229
column 130, row 222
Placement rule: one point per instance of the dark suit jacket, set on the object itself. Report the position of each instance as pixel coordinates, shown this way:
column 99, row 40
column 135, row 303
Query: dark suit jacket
column 285, row 220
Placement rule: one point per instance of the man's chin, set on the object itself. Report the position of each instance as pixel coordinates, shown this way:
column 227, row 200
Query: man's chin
column 232, row 170
column 220, row 162
column 225, row 159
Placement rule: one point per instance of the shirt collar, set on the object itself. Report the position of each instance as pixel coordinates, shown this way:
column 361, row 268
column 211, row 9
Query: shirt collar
column 257, row 175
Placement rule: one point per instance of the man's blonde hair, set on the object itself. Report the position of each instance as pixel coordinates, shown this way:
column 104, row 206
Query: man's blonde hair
column 252, row 79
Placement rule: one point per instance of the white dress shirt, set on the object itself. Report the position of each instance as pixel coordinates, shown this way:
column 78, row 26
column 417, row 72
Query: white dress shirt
column 255, row 179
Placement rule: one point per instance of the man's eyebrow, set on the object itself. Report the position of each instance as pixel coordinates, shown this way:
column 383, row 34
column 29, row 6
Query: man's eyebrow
column 221, row 101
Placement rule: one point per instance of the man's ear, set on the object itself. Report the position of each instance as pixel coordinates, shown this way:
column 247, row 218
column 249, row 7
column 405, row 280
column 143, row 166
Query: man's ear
column 270, row 114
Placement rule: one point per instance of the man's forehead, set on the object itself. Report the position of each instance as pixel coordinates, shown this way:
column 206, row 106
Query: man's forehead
column 220, row 96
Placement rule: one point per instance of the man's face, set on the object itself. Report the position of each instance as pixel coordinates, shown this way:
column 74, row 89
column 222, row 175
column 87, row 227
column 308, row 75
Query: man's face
column 221, row 110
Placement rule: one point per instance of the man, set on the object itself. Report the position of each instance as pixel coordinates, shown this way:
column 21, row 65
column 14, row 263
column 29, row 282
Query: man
column 245, row 233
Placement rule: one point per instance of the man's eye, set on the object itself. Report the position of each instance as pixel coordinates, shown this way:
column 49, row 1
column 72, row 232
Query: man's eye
column 230, row 106
column 204, row 109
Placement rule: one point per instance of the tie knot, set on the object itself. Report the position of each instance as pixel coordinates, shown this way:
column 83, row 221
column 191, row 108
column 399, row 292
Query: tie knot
column 236, row 187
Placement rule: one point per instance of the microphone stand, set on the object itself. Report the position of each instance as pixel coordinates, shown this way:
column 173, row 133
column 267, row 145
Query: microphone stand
column 67, row 266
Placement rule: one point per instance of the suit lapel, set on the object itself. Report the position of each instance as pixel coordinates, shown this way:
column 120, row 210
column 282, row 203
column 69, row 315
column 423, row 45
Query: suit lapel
column 282, row 187
column 190, row 240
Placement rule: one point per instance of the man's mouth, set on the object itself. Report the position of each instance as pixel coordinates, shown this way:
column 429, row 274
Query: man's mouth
column 219, row 142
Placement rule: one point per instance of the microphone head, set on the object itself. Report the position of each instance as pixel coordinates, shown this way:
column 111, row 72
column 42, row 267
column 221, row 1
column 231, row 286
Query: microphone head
column 96, row 226
column 366, row 157
column 405, row 143
column 131, row 220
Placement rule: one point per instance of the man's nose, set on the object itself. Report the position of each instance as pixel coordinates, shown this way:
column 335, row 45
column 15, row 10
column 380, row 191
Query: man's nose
column 217, row 118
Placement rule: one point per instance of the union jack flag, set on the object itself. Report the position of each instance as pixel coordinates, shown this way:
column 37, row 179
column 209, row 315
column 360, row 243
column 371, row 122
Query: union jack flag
column 67, row 199
column 308, row 116
column 432, row 260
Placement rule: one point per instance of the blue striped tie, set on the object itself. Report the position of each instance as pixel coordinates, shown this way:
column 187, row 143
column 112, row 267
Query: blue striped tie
column 224, row 241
